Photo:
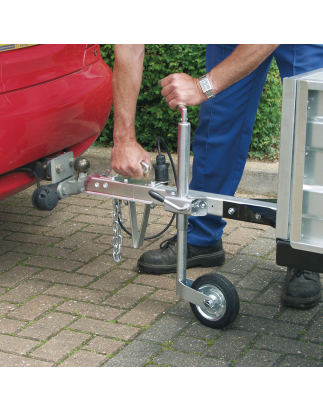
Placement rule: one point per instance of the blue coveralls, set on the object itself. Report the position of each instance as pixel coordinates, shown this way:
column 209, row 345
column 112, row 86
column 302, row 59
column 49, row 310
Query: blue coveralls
column 222, row 138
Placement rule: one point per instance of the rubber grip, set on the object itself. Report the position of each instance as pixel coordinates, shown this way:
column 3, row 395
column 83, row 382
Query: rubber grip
column 156, row 196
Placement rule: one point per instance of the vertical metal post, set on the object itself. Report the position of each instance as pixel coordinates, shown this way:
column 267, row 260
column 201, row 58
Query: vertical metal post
column 183, row 172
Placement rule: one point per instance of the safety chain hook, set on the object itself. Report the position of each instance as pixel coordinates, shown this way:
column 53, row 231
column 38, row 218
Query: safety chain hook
column 117, row 239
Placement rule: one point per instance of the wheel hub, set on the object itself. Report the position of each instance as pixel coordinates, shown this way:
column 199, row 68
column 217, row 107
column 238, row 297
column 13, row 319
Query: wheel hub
column 215, row 305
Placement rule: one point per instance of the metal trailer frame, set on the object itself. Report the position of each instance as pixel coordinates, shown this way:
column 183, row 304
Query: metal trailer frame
column 299, row 210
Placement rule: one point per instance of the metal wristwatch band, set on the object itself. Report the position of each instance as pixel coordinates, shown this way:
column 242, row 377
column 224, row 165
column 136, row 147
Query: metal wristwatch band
column 206, row 87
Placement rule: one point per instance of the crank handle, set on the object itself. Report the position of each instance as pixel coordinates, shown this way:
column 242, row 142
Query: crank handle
column 160, row 198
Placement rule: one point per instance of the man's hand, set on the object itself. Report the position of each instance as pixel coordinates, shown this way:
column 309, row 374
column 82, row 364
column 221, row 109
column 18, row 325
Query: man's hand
column 126, row 158
column 180, row 88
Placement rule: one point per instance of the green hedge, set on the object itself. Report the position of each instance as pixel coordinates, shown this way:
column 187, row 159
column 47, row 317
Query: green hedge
column 154, row 118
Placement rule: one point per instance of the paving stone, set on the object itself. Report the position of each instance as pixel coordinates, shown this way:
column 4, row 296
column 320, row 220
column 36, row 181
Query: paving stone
column 269, row 233
column 66, row 229
column 136, row 354
column 183, row 309
column 299, row 316
column 90, row 211
column 103, row 345
column 129, row 295
column 243, row 235
column 98, row 266
column 56, row 263
column 84, row 202
column 84, row 359
column 296, row 361
column 12, row 209
column 189, row 344
column 230, row 344
column 271, row 265
column 6, row 246
column 288, row 346
column 75, row 240
column 90, row 310
column 315, row 332
column 63, row 278
column 34, row 307
column 165, row 295
column 178, row 359
column 55, row 219
column 271, row 256
column 231, row 248
column 10, row 360
column 46, row 326
column 105, row 228
column 24, row 291
column 100, row 222
column 239, row 264
column 267, row 326
column 16, row 345
column 144, row 313
column 158, row 281
column 105, row 328
column 271, row 296
column 112, row 280
column 260, row 247
column 88, row 251
column 165, row 329
column 10, row 326
column 258, row 310
column 257, row 279
column 6, row 308
column 246, row 295
column 76, row 293
column 32, row 238
column 23, row 228
column 201, row 331
column 16, row 275
column 10, row 259
column 258, row 358
column 23, row 218
column 129, row 264
column 59, row 346
column 43, row 250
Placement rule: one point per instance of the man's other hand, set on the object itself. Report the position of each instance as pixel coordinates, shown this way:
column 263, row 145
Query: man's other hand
column 180, row 88
column 126, row 158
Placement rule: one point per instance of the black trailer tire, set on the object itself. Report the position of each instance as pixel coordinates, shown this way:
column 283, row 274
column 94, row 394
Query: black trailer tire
column 225, row 299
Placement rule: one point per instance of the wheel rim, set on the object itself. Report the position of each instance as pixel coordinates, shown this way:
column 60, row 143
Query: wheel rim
column 215, row 306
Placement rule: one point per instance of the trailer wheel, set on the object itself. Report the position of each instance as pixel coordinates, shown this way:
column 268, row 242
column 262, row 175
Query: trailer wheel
column 222, row 304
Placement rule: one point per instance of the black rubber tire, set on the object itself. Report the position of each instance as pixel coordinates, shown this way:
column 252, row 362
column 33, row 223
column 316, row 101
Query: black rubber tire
column 232, row 302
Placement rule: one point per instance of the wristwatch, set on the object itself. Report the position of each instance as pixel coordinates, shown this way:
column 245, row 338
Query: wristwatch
column 206, row 87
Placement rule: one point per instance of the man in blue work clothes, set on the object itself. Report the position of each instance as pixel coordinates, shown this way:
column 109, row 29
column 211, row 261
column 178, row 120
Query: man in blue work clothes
column 229, row 95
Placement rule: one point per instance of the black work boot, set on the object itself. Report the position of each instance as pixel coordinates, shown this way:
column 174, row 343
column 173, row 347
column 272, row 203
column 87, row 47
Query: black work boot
column 164, row 260
column 302, row 289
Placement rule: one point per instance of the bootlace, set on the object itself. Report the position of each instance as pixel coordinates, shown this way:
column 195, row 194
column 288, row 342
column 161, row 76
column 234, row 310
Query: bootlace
column 171, row 241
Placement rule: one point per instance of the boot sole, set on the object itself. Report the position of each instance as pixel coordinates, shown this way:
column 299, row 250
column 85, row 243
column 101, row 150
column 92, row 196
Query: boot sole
column 204, row 260
column 300, row 302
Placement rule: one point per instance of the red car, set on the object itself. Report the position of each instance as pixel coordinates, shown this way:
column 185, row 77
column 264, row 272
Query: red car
column 53, row 99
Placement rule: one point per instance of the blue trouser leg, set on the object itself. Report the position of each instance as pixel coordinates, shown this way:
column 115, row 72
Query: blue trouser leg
column 222, row 139
column 221, row 142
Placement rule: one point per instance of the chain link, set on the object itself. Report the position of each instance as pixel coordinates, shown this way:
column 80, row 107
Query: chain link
column 117, row 239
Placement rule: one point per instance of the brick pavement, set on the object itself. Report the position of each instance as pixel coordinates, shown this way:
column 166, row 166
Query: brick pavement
column 64, row 302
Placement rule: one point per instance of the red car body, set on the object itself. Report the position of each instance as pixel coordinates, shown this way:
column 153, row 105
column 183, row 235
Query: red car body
column 53, row 99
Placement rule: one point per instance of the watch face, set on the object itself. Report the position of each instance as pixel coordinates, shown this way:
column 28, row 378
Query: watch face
column 206, row 87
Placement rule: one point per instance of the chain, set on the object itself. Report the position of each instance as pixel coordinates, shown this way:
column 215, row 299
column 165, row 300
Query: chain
column 117, row 239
